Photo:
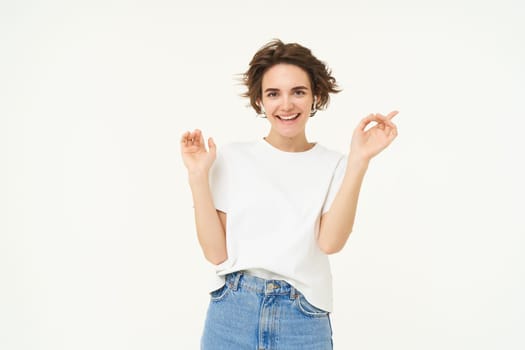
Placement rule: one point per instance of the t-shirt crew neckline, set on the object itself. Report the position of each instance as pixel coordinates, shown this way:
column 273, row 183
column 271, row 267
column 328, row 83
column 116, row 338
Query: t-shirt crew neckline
column 276, row 150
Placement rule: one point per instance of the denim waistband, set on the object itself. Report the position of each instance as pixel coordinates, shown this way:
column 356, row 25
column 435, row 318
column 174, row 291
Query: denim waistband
column 242, row 280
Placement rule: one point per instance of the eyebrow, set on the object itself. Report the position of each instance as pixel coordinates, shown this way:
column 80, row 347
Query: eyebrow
column 293, row 89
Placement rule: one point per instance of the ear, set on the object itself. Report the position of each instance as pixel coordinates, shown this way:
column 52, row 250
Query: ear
column 261, row 106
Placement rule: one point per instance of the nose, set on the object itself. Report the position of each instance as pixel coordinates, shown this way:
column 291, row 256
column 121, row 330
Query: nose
column 287, row 103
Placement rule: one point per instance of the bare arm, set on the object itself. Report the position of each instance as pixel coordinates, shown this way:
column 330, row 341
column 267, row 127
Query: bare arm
column 336, row 224
column 210, row 230
column 209, row 222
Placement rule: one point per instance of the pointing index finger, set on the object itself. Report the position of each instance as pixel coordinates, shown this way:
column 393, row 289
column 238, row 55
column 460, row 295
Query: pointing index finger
column 392, row 115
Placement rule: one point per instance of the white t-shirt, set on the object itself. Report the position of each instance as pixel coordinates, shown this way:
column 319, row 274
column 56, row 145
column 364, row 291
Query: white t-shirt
column 273, row 201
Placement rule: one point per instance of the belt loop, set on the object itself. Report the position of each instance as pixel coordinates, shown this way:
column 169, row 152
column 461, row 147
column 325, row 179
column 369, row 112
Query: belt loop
column 293, row 293
column 236, row 280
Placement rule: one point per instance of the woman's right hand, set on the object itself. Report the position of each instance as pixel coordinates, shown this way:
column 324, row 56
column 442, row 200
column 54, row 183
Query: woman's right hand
column 196, row 158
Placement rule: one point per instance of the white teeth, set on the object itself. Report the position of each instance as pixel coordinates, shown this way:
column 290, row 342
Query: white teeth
column 288, row 117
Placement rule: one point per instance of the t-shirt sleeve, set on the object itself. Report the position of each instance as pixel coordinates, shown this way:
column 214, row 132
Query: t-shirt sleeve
column 219, row 182
column 335, row 184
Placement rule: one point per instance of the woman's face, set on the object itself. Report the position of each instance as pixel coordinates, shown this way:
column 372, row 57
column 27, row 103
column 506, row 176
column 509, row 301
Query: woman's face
column 287, row 99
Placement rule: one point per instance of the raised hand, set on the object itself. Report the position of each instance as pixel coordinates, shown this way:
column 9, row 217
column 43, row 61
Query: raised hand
column 194, row 154
column 369, row 143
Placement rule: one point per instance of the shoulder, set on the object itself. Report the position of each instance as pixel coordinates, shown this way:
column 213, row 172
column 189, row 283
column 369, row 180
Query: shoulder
column 328, row 154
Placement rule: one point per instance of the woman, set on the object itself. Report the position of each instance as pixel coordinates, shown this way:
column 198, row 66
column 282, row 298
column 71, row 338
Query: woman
column 268, row 213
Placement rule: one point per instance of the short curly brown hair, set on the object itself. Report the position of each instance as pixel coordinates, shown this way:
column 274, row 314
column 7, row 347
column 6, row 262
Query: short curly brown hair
column 275, row 52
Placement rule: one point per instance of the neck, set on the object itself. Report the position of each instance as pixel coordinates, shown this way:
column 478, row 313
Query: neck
column 289, row 144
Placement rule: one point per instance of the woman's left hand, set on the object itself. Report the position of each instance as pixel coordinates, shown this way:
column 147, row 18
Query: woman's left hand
column 367, row 144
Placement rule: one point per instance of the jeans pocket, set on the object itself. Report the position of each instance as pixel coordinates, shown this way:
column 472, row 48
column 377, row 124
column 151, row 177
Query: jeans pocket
column 219, row 294
column 308, row 309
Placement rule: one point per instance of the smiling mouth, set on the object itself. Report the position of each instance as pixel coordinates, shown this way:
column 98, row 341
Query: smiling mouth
column 288, row 117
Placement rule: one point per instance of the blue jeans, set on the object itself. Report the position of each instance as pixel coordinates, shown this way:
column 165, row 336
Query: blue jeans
column 251, row 313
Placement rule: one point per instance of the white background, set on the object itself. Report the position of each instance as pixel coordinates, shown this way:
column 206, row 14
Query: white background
column 97, row 245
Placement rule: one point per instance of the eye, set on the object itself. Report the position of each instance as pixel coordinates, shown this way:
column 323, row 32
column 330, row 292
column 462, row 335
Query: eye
column 271, row 94
column 300, row 92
